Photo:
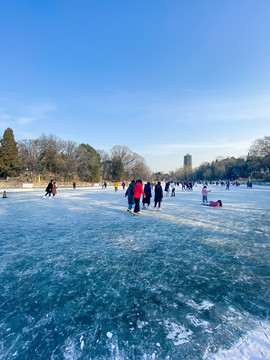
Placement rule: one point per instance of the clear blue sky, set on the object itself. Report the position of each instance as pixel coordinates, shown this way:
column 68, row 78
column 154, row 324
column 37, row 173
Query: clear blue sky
column 164, row 77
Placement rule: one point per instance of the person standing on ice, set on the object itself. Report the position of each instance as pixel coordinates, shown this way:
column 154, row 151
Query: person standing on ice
column 167, row 188
column 54, row 187
column 49, row 189
column 148, row 195
column 138, row 191
column 158, row 196
column 205, row 193
column 116, row 186
column 129, row 193
column 172, row 185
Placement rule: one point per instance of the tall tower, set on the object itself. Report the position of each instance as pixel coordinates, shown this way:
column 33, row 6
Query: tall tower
column 188, row 161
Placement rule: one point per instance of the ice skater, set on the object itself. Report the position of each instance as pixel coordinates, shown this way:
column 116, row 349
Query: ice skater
column 115, row 186
column 54, row 187
column 138, row 191
column 167, row 188
column 49, row 189
column 148, row 195
column 158, row 196
column 129, row 193
column 172, row 185
column 205, row 193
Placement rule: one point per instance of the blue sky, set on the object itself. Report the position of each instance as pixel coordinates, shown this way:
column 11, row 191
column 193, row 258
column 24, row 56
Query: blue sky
column 164, row 77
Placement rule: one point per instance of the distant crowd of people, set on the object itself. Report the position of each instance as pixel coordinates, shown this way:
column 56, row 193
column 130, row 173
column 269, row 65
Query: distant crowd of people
column 136, row 191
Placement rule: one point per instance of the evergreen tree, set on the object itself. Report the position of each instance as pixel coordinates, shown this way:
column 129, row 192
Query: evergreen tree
column 89, row 163
column 9, row 159
column 117, row 168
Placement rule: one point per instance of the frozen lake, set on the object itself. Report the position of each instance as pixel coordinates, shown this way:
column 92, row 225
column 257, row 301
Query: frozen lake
column 83, row 279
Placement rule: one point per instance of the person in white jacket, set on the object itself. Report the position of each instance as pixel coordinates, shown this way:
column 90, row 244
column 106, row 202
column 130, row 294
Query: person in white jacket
column 172, row 185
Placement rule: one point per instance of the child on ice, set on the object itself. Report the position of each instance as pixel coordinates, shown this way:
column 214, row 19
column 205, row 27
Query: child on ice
column 205, row 193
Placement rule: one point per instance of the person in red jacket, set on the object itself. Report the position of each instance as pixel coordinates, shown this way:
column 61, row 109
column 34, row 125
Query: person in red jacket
column 214, row 203
column 138, row 191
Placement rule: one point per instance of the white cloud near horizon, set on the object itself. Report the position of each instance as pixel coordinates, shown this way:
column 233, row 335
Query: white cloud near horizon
column 160, row 149
column 179, row 108
column 16, row 114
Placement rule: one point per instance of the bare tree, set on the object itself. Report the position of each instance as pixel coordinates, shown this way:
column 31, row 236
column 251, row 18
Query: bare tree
column 29, row 155
column 50, row 148
column 105, row 165
column 134, row 164
column 260, row 153
column 261, row 147
column 68, row 160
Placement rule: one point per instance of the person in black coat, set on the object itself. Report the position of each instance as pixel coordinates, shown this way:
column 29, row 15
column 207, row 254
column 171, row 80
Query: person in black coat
column 158, row 195
column 167, row 188
column 148, row 195
column 129, row 193
column 49, row 189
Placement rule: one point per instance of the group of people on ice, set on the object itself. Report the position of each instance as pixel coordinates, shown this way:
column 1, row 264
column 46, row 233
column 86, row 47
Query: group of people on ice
column 136, row 190
column 50, row 189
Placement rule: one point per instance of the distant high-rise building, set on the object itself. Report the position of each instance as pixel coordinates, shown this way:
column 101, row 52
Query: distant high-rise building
column 188, row 161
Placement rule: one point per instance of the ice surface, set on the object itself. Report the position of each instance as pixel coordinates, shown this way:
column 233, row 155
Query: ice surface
column 81, row 278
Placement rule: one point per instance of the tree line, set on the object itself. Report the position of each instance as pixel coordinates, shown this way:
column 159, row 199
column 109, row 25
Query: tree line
column 255, row 164
column 49, row 156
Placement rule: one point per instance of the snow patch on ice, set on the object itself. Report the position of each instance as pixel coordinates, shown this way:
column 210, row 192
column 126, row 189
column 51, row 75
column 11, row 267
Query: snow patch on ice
column 82, row 342
column 178, row 333
column 253, row 346
column 205, row 305
column 141, row 324
column 196, row 322
column 70, row 352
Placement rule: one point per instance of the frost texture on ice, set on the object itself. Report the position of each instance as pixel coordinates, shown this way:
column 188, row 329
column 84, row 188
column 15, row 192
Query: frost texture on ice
column 82, row 279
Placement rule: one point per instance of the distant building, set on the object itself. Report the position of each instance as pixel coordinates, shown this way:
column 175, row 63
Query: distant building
column 188, row 161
